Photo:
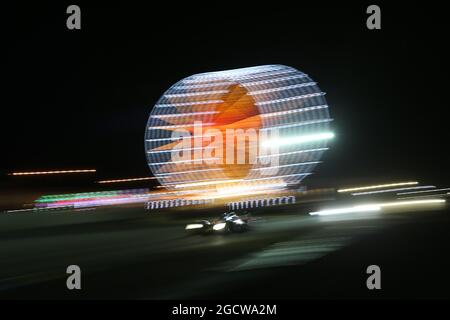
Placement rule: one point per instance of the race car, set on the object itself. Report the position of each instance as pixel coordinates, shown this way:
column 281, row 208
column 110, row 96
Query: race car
column 229, row 222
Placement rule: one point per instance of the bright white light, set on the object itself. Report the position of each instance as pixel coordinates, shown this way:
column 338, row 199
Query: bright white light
column 219, row 226
column 239, row 221
column 379, row 186
column 360, row 208
column 194, row 226
column 299, row 139
column 374, row 207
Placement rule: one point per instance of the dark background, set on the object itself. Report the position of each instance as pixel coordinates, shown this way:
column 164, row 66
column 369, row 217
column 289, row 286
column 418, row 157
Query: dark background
column 81, row 98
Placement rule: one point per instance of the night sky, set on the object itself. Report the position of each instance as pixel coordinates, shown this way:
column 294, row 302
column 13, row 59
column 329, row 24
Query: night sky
column 81, row 99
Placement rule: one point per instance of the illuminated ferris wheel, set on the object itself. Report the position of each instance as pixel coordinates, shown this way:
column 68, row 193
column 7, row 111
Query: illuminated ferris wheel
column 259, row 127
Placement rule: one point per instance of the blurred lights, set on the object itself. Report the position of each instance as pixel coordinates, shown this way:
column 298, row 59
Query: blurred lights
column 219, row 226
column 375, row 207
column 379, row 186
column 194, row 226
column 415, row 192
column 249, row 100
column 205, row 183
column 414, row 202
column 93, row 199
column 51, row 172
column 392, row 190
column 299, row 139
column 126, row 180
column 360, row 208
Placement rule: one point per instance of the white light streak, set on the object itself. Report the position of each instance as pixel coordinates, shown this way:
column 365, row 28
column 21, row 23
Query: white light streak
column 309, row 95
column 280, row 113
column 300, row 85
column 379, row 186
column 179, row 126
column 188, row 104
column 391, row 190
column 177, row 115
column 293, row 152
column 194, row 94
column 375, row 207
column 299, row 139
column 304, row 123
column 287, row 165
column 126, row 180
column 51, row 172
column 412, row 202
column 256, row 83
column 354, row 209
column 184, row 161
column 415, row 192
column 180, row 149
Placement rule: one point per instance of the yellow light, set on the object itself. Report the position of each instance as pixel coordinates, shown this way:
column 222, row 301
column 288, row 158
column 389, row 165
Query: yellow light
column 206, row 183
column 126, row 180
column 50, row 172
column 379, row 186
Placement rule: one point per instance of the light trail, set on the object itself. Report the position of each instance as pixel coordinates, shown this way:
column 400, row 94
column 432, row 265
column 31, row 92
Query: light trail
column 379, row 186
column 51, row 172
column 415, row 192
column 391, row 190
column 375, row 207
column 299, row 139
column 126, row 180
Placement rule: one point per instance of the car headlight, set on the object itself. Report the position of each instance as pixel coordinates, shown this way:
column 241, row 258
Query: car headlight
column 219, row 226
column 194, row 226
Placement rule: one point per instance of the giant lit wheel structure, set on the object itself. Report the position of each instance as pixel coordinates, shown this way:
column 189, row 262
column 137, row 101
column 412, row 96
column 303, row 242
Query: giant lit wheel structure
column 263, row 98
